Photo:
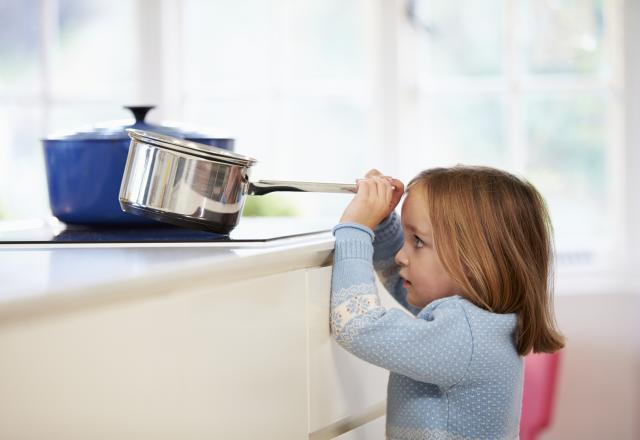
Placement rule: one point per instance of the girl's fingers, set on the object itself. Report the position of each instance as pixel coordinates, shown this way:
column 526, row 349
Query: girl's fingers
column 363, row 187
column 387, row 191
column 397, row 184
column 376, row 191
column 373, row 187
column 373, row 173
column 384, row 190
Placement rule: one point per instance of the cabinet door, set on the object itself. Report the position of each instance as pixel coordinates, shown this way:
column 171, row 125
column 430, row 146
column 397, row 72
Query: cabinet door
column 373, row 430
column 342, row 388
column 227, row 362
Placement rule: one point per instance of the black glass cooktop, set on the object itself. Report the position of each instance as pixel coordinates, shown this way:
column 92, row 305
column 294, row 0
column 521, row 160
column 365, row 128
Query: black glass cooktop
column 249, row 230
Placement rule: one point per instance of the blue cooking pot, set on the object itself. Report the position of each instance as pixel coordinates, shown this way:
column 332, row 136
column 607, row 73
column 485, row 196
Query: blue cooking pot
column 85, row 168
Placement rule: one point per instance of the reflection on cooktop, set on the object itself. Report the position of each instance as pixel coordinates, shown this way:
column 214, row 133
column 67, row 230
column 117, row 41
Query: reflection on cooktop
column 249, row 230
column 110, row 234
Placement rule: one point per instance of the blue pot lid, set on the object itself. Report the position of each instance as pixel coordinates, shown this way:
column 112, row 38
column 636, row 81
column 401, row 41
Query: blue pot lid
column 117, row 130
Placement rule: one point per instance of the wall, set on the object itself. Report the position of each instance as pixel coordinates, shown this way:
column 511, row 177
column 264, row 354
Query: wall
column 599, row 387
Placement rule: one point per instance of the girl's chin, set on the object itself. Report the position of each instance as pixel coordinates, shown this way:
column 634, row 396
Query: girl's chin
column 412, row 302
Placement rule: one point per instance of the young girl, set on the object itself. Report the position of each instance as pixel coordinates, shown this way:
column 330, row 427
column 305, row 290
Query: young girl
column 471, row 263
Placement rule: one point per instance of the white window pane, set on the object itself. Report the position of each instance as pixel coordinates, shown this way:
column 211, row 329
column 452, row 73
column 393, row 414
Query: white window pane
column 563, row 36
column 305, row 139
column 463, row 129
column 296, row 139
column 95, row 53
column 327, row 141
column 23, row 187
column 460, row 37
column 20, row 35
column 566, row 137
column 328, row 39
column 226, row 40
column 248, row 121
column 81, row 116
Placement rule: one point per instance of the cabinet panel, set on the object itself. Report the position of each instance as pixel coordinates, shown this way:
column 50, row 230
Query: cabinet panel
column 373, row 430
column 341, row 386
column 227, row 362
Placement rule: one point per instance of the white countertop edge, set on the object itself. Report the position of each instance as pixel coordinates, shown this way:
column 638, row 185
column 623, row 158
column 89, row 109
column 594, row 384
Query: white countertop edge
column 262, row 259
column 283, row 256
column 279, row 242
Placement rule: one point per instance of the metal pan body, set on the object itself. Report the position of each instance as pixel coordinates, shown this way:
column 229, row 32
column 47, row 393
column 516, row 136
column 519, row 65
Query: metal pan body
column 183, row 187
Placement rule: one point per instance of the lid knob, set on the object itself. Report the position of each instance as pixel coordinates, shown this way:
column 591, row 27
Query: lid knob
column 139, row 111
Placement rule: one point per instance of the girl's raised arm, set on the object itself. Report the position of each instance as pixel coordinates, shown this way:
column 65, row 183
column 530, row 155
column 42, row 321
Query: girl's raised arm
column 434, row 347
column 388, row 241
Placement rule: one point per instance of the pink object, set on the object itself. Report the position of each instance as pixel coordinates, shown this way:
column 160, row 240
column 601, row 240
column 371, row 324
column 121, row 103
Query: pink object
column 538, row 394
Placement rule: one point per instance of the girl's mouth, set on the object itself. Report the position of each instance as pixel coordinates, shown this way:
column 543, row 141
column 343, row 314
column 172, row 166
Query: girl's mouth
column 406, row 284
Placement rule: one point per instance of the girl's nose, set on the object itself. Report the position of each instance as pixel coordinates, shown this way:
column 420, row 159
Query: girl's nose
column 401, row 258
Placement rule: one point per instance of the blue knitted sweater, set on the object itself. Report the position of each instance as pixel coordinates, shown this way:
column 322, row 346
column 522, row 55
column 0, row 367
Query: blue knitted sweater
column 454, row 370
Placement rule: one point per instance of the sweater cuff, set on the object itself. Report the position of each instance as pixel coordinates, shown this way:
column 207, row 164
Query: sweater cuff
column 353, row 241
column 389, row 229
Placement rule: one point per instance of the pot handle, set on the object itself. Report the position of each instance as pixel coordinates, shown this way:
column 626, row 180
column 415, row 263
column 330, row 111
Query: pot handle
column 262, row 187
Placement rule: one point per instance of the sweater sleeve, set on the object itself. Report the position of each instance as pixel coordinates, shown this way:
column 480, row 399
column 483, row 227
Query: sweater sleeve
column 434, row 347
column 387, row 243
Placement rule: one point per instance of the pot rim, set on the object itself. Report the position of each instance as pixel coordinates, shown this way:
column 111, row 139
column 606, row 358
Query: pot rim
column 190, row 147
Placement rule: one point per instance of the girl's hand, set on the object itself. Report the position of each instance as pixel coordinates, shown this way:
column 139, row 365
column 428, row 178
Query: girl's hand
column 376, row 198
column 398, row 190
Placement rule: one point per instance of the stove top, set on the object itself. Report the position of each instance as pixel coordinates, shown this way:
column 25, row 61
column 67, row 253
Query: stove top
column 250, row 229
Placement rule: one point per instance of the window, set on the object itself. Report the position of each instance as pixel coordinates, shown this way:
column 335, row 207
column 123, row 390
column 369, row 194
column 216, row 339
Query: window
column 530, row 86
column 326, row 89
column 291, row 81
column 63, row 66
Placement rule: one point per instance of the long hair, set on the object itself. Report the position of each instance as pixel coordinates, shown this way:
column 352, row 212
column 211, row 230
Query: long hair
column 493, row 236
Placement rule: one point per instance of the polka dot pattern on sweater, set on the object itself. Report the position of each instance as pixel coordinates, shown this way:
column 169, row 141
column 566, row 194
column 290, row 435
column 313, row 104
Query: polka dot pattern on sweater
column 454, row 371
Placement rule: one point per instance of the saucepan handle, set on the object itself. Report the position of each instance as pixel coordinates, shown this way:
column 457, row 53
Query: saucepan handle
column 261, row 187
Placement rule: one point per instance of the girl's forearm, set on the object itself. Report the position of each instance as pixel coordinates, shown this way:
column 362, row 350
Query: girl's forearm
column 388, row 240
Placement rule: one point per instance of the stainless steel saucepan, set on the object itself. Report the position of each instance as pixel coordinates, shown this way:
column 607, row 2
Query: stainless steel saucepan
column 195, row 185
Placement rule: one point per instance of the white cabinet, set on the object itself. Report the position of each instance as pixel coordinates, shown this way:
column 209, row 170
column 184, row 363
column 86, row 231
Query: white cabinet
column 373, row 430
column 342, row 388
column 244, row 360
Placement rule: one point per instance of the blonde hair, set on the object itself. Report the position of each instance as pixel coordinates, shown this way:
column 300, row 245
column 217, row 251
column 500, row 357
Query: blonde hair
column 493, row 236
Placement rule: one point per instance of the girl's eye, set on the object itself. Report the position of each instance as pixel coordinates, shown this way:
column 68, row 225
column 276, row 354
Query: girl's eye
column 417, row 242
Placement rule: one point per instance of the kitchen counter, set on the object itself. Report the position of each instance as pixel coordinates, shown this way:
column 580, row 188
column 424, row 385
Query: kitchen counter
column 179, row 340
column 45, row 277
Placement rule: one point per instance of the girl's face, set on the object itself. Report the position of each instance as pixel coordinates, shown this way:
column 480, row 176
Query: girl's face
column 425, row 278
